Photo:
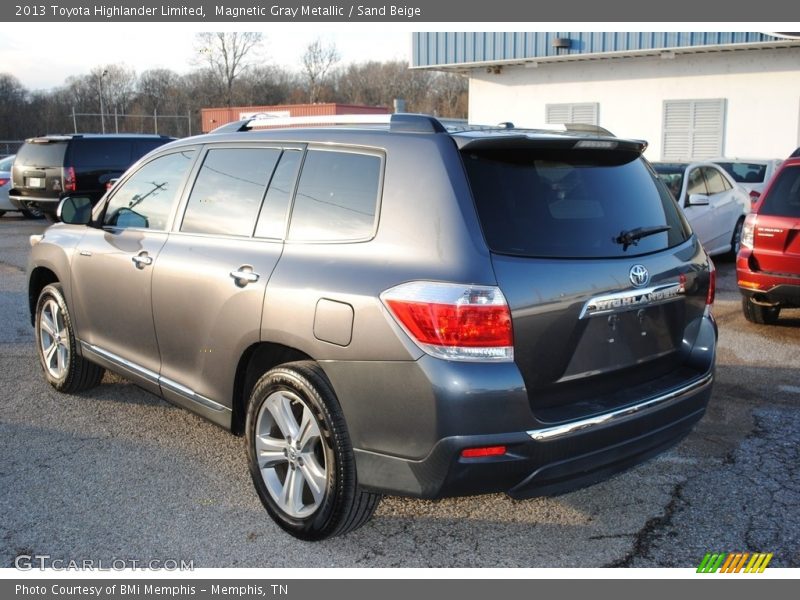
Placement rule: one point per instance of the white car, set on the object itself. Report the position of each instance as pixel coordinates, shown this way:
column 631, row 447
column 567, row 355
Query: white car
column 712, row 201
column 751, row 173
column 5, row 184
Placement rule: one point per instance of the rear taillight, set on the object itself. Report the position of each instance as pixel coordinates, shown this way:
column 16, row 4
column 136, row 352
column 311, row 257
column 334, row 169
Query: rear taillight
column 70, row 184
column 748, row 231
column 712, row 283
column 452, row 321
column 754, row 196
column 3, row 181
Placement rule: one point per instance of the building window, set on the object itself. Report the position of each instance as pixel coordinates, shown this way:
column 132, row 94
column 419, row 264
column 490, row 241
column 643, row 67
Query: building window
column 693, row 129
column 576, row 112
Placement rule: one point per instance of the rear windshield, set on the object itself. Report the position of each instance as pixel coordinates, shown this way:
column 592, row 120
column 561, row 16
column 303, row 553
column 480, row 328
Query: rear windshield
column 745, row 172
column 784, row 196
column 40, row 155
column 573, row 206
column 100, row 153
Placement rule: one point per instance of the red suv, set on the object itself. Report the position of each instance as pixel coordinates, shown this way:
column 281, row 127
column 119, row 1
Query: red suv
column 768, row 264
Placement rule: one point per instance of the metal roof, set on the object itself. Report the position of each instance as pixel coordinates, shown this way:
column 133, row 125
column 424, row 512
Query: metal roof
column 464, row 50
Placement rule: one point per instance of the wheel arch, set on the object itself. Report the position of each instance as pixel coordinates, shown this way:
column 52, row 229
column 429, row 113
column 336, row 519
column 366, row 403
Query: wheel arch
column 256, row 360
column 39, row 278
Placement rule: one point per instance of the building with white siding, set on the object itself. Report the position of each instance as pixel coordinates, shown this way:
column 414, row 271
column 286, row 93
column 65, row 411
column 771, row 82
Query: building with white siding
column 690, row 95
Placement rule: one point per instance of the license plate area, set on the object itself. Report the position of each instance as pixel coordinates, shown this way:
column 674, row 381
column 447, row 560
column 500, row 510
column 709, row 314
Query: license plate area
column 35, row 182
column 619, row 340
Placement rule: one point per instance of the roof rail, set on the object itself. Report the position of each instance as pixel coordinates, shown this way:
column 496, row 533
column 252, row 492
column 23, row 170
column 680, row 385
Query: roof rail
column 588, row 128
column 401, row 122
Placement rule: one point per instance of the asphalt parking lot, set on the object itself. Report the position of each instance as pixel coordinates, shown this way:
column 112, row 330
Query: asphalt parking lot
column 117, row 473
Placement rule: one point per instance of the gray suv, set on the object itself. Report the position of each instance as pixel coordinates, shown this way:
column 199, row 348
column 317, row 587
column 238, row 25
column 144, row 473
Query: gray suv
column 391, row 309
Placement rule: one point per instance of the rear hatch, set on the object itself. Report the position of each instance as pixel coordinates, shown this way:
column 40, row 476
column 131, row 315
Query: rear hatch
column 38, row 168
column 777, row 229
column 605, row 283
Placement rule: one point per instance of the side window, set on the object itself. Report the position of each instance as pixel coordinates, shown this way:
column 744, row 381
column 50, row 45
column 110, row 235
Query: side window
column 146, row 198
column 228, row 191
column 696, row 183
column 272, row 220
column 714, row 180
column 92, row 152
column 337, row 197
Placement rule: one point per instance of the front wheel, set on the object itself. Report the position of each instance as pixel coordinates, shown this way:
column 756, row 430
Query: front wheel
column 63, row 368
column 300, row 456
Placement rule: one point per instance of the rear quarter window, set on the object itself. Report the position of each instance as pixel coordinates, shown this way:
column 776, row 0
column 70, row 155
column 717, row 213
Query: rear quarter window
column 573, row 207
column 337, row 197
column 101, row 153
column 783, row 199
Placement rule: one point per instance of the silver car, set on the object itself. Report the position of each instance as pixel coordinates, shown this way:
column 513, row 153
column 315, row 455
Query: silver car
column 391, row 308
column 712, row 201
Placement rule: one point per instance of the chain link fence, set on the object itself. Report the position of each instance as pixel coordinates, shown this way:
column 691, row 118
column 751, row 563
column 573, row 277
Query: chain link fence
column 9, row 147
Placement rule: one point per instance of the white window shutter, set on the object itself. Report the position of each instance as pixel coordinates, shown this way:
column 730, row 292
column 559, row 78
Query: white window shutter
column 693, row 129
column 583, row 112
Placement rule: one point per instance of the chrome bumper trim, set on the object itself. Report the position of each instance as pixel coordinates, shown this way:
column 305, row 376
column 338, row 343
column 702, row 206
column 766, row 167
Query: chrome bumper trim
column 617, row 416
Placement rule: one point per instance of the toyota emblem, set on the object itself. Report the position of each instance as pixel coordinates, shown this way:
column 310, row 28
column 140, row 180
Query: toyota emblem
column 639, row 276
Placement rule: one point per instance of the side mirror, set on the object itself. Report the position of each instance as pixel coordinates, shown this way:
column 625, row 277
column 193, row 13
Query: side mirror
column 698, row 200
column 75, row 210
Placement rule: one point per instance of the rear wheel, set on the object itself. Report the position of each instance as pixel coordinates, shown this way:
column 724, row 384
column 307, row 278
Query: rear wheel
column 32, row 211
column 2, row 212
column 63, row 368
column 756, row 313
column 300, row 456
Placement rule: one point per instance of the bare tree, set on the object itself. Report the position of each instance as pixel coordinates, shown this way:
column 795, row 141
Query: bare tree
column 155, row 86
column 318, row 61
column 226, row 55
column 118, row 84
column 13, row 97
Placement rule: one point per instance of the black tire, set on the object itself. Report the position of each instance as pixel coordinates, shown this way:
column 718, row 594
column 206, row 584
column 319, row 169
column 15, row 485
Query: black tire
column 736, row 238
column 342, row 506
column 71, row 373
column 2, row 212
column 763, row 315
column 32, row 212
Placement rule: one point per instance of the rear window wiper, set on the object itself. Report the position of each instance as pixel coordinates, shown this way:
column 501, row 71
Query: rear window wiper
column 632, row 236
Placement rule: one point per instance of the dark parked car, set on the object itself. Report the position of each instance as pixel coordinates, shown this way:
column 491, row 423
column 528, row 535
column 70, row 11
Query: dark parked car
column 398, row 309
column 51, row 167
column 768, row 265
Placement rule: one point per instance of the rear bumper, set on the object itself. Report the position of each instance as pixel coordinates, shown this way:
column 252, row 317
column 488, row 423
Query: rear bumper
column 409, row 434
column 766, row 288
column 48, row 205
column 544, row 461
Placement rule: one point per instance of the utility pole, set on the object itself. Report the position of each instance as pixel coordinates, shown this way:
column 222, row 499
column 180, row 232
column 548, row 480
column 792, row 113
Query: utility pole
column 102, row 111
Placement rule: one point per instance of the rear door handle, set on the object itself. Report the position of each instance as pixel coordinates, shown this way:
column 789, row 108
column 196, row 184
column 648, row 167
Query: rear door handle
column 244, row 275
column 141, row 260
